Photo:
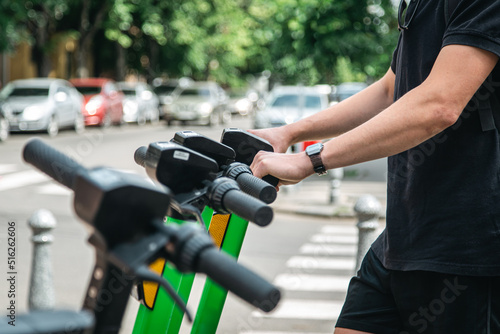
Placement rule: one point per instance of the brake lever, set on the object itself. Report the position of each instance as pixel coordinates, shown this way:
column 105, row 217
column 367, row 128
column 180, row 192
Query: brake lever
column 188, row 210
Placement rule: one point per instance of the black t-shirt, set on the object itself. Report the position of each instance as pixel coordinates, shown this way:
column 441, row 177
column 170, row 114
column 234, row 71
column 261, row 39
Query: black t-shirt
column 443, row 203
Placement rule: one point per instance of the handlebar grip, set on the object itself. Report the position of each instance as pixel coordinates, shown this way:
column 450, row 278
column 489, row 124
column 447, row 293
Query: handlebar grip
column 140, row 155
column 52, row 162
column 256, row 187
column 272, row 180
column 225, row 195
column 247, row 207
column 236, row 278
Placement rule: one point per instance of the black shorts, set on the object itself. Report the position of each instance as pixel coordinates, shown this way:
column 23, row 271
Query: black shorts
column 384, row 301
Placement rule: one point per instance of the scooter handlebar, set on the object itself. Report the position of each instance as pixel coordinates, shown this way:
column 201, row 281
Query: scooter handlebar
column 52, row 162
column 250, row 184
column 225, row 195
column 236, row 278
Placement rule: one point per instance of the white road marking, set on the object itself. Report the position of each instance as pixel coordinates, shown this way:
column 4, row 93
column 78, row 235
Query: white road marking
column 339, row 229
column 306, row 282
column 304, row 309
column 327, row 249
column 338, row 239
column 21, row 179
column 316, row 262
column 53, row 189
column 7, row 168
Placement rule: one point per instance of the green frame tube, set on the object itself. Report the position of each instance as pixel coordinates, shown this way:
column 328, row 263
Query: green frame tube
column 214, row 296
column 166, row 317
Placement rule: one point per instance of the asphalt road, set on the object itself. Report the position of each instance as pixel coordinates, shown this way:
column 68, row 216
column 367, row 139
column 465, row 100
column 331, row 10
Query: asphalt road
column 267, row 251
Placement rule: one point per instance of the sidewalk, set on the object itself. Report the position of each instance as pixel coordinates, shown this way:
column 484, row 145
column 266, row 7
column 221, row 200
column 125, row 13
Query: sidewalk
column 312, row 197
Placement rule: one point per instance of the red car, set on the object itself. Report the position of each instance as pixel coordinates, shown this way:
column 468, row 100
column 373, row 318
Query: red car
column 103, row 101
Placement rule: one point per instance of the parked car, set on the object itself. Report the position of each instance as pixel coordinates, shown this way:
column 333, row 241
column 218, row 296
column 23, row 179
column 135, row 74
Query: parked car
column 347, row 89
column 141, row 104
column 240, row 103
column 41, row 104
column 166, row 92
column 203, row 102
column 288, row 104
column 103, row 101
column 4, row 127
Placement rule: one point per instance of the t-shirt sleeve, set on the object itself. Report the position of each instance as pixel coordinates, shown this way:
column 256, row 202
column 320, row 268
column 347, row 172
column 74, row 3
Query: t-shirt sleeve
column 475, row 23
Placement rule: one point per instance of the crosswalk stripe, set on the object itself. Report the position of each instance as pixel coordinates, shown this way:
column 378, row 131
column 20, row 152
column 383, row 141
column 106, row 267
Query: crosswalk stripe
column 339, row 230
column 21, row 179
column 306, row 282
column 327, row 249
column 53, row 189
column 7, row 168
column 339, row 239
column 316, row 262
column 304, row 309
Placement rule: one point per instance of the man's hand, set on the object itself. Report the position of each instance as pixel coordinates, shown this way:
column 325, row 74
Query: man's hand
column 288, row 168
column 275, row 136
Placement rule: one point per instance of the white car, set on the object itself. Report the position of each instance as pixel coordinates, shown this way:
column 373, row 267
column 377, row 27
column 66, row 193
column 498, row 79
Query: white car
column 202, row 102
column 42, row 104
column 141, row 104
column 288, row 104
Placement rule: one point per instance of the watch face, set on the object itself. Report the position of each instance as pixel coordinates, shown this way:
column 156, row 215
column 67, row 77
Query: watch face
column 314, row 149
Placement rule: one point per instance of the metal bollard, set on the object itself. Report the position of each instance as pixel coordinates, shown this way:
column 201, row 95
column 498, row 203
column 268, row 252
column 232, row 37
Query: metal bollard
column 336, row 177
column 41, row 294
column 367, row 210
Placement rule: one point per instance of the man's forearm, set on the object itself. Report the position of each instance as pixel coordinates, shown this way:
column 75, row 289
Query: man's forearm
column 345, row 115
column 420, row 114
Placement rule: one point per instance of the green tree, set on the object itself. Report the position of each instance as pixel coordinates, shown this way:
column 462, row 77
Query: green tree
column 306, row 37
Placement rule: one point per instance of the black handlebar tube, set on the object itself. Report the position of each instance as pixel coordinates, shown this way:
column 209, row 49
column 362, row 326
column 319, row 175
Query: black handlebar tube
column 55, row 164
column 222, row 269
column 250, row 184
column 195, row 252
column 225, row 196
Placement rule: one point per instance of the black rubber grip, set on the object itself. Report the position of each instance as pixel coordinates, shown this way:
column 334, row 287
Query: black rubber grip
column 247, row 207
column 272, row 180
column 52, row 162
column 244, row 283
column 256, row 187
column 140, row 155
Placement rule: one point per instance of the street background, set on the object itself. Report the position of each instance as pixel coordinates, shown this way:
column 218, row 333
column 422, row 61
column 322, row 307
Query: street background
column 308, row 250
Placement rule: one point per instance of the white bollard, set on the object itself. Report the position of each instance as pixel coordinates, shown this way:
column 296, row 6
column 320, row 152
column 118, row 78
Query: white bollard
column 367, row 209
column 336, row 176
column 41, row 294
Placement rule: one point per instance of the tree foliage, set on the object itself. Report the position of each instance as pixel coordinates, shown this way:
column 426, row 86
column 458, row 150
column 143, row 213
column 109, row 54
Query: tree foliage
column 298, row 41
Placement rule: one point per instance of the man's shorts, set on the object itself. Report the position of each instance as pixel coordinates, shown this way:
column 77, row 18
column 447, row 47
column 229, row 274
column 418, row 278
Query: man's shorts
column 385, row 301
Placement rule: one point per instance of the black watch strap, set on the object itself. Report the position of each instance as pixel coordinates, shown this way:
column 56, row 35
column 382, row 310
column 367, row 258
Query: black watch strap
column 314, row 153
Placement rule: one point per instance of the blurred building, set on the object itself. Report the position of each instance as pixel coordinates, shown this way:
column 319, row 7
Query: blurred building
column 19, row 64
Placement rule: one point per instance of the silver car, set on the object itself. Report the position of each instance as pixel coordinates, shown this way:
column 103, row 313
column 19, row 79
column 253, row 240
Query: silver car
column 141, row 104
column 202, row 102
column 42, row 104
column 288, row 104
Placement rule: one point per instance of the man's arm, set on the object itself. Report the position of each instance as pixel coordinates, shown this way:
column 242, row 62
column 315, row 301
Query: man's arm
column 336, row 119
column 420, row 114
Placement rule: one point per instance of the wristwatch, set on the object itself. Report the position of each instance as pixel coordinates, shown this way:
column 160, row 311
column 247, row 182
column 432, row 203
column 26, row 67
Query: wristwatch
column 314, row 153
